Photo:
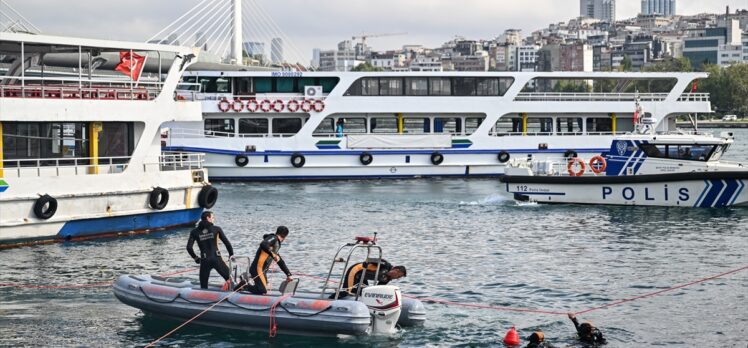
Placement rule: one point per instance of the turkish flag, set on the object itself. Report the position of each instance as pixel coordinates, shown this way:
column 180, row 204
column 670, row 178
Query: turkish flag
column 130, row 64
column 693, row 87
column 636, row 116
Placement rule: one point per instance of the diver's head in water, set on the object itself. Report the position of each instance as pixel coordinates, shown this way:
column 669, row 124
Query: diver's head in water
column 397, row 272
column 536, row 337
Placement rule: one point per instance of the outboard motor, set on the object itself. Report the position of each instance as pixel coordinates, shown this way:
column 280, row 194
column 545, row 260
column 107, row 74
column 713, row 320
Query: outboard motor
column 384, row 302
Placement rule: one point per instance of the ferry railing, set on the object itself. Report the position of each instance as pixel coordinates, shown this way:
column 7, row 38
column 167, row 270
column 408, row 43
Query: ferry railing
column 694, row 97
column 605, row 97
column 173, row 161
column 102, row 89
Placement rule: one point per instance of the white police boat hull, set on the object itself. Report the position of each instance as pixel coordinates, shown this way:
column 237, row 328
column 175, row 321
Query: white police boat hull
column 302, row 313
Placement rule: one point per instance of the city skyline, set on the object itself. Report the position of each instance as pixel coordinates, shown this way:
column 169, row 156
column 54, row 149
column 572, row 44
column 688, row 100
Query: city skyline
column 427, row 22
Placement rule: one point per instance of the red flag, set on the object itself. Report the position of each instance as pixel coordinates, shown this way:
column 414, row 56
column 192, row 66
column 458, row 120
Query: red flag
column 693, row 87
column 636, row 116
column 130, row 64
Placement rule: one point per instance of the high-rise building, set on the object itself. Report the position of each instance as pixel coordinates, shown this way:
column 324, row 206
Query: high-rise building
column 276, row 50
column 659, row 7
column 600, row 9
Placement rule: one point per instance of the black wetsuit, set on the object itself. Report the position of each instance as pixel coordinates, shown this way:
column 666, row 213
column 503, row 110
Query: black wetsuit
column 263, row 259
column 206, row 234
column 595, row 337
column 353, row 276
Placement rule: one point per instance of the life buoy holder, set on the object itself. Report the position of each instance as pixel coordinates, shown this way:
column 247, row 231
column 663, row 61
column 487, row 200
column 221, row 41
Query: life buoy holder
column 437, row 158
column 237, row 105
column 570, row 154
column 292, row 105
column 252, row 105
column 45, row 207
column 598, row 164
column 297, row 160
column 306, row 105
column 241, row 160
column 318, row 105
column 265, row 105
column 366, row 158
column 224, row 105
column 158, row 198
column 278, row 105
column 207, row 197
column 503, row 157
column 576, row 161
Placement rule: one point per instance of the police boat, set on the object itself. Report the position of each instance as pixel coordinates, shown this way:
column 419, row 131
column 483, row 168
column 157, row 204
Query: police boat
column 374, row 309
column 642, row 168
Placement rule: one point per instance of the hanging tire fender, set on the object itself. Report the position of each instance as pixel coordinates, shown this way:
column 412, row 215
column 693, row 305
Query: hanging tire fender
column 437, row 158
column 207, row 197
column 297, row 160
column 241, row 160
column 366, row 158
column 45, row 207
column 158, row 198
column 503, row 157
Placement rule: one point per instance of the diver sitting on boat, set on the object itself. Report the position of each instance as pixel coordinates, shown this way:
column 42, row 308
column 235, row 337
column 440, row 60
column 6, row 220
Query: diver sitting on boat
column 207, row 234
column 386, row 273
column 266, row 254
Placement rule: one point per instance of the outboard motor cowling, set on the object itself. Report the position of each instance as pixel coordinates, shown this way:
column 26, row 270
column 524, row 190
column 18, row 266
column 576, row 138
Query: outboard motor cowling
column 384, row 302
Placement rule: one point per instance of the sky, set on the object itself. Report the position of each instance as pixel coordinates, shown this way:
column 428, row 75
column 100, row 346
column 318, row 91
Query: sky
column 323, row 23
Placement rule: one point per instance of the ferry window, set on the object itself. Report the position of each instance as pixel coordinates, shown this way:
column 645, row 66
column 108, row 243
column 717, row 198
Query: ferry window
column 416, row 125
column 539, row 125
column 189, row 83
column 370, row 86
column 354, row 125
column 508, row 126
column 504, row 84
column 488, row 86
column 440, row 86
column 472, row 124
column 391, row 86
column 21, row 140
column 286, row 126
column 327, row 126
column 464, row 86
column 243, row 85
column 221, row 127
column 263, row 84
column 452, row 125
column 384, row 125
column 416, row 86
column 328, row 83
column 214, row 84
column 253, row 126
column 306, row 81
column 569, row 125
column 115, row 138
column 285, row 85
column 599, row 125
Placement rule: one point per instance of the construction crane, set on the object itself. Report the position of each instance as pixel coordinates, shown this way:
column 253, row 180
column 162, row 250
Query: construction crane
column 363, row 37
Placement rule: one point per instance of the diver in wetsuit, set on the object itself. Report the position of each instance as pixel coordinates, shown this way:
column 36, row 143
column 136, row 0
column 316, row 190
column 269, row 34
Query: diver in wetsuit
column 353, row 275
column 266, row 253
column 588, row 333
column 207, row 234
column 537, row 340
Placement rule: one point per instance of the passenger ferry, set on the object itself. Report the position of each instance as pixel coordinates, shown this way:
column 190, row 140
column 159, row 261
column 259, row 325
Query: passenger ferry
column 325, row 125
column 80, row 155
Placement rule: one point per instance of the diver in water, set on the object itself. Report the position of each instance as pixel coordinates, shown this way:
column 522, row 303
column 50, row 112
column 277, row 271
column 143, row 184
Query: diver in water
column 353, row 275
column 587, row 332
column 537, row 340
column 207, row 234
column 266, row 254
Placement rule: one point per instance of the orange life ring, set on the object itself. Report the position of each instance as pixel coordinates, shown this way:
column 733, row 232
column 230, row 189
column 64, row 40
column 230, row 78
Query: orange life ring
column 306, row 105
column 252, row 105
column 265, row 105
column 292, row 105
column 237, row 105
column 318, row 105
column 598, row 164
column 224, row 105
column 572, row 162
column 278, row 105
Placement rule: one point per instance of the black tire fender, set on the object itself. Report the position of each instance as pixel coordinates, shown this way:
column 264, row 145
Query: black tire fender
column 241, row 160
column 158, row 198
column 570, row 154
column 366, row 158
column 503, row 157
column 437, row 158
column 45, row 207
column 297, row 160
column 207, row 197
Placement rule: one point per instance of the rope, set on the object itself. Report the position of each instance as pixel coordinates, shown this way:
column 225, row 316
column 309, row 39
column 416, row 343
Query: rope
column 273, row 324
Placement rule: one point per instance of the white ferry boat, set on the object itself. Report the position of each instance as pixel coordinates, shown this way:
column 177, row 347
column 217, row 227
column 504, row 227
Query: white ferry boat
column 642, row 168
column 80, row 155
column 318, row 125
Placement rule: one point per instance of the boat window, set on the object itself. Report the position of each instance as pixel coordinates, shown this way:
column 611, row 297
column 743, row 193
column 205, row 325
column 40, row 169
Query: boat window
column 569, row 125
column 384, row 125
column 220, row 127
column 189, row 83
column 464, row 86
column 326, row 127
column 285, row 85
column 263, row 85
column 452, row 125
column 243, row 86
column 286, row 126
column 416, row 125
column 416, row 86
column 253, row 126
column 539, row 125
column 22, row 140
column 354, row 125
column 508, row 126
column 328, row 83
column 472, row 124
column 440, row 86
column 599, row 125
column 390, row 86
column 370, row 86
column 115, row 139
column 214, row 84
column 687, row 152
column 306, row 81
column 654, row 151
column 488, row 86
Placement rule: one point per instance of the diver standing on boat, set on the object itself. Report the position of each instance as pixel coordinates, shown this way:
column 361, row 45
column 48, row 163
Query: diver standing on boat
column 386, row 273
column 207, row 234
column 266, row 254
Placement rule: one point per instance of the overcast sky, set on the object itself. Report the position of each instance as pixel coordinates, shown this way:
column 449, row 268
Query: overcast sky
column 323, row 23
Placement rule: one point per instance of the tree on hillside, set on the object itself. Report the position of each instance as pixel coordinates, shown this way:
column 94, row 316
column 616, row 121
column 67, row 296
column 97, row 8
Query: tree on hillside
column 366, row 67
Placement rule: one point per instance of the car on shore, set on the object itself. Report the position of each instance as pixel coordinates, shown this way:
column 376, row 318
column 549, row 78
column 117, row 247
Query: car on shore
column 729, row 118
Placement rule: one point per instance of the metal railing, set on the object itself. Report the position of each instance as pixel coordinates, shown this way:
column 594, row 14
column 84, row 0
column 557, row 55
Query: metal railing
column 78, row 92
column 590, row 96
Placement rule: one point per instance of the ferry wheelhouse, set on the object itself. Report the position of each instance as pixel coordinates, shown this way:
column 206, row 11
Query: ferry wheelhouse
column 317, row 125
column 80, row 155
